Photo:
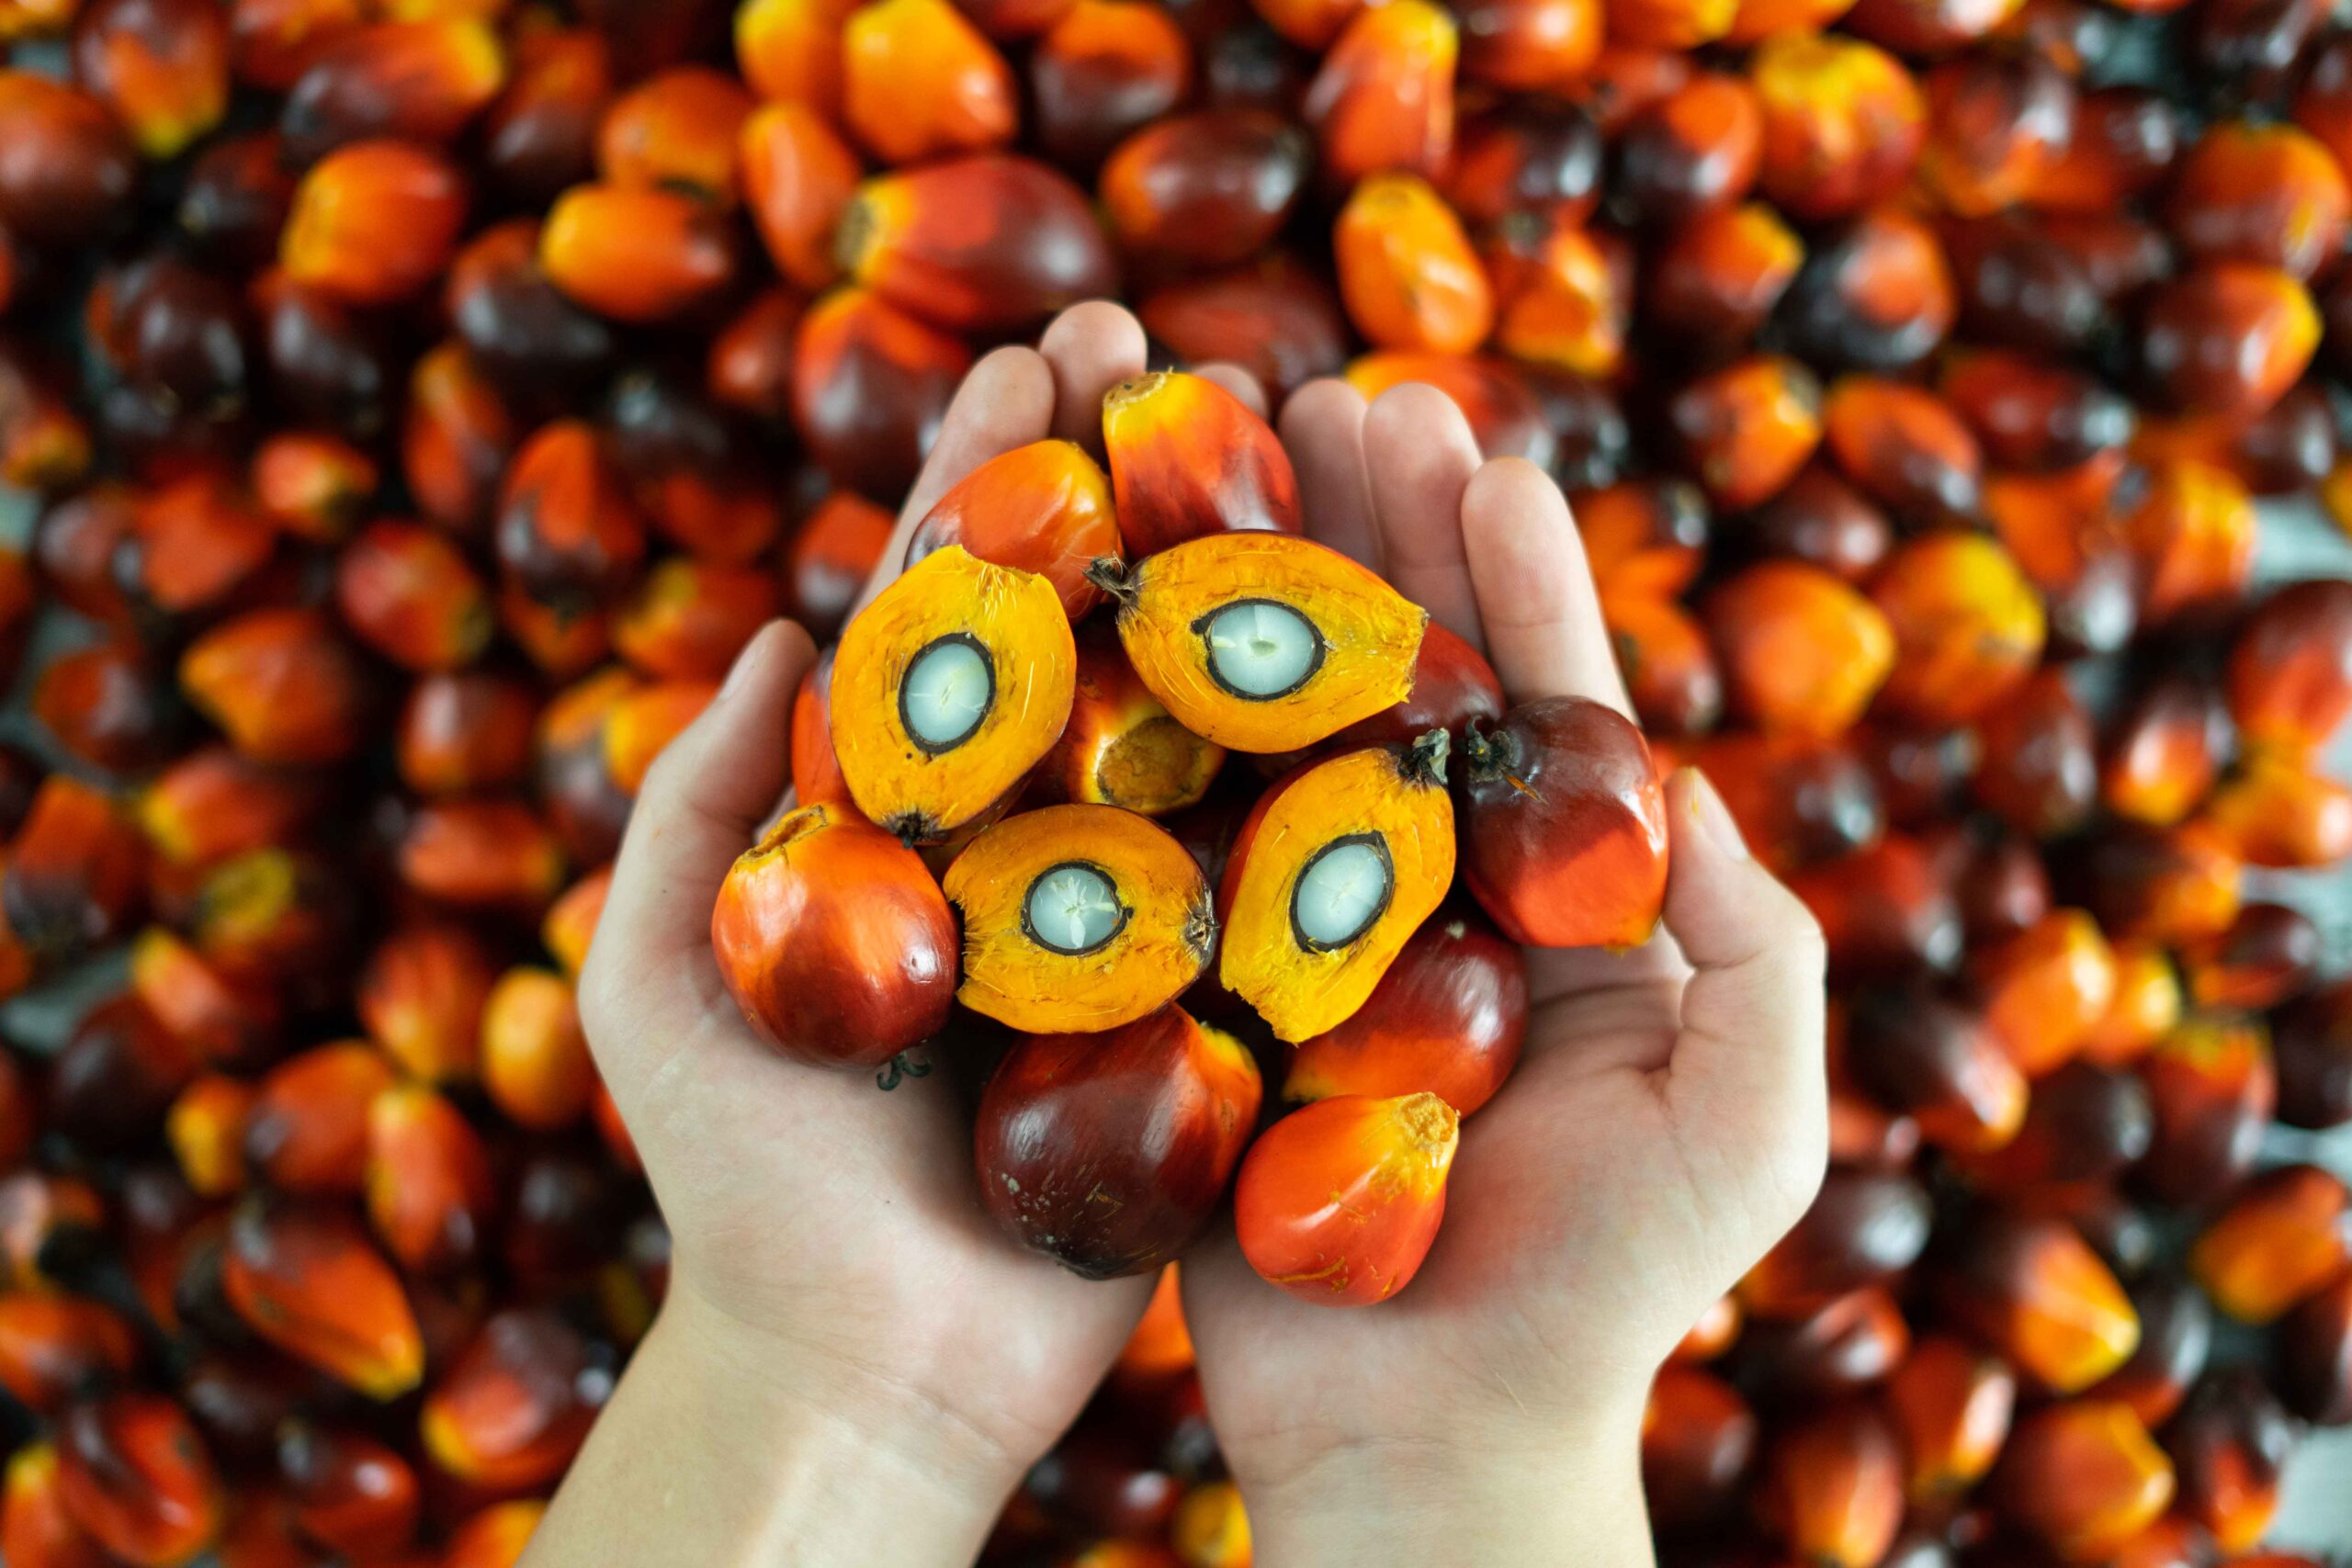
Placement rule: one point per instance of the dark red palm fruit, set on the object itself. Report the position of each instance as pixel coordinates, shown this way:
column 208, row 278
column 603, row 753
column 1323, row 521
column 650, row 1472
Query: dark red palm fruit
column 1102, row 1479
column 1273, row 316
column 49, row 1225
column 2176, row 1339
column 1108, row 1152
column 1447, row 1018
column 235, row 199
column 1101, row 71
column 109, row 1087
column 72, row 168
column 1717, row 276
column 1207, row 190
column 197, row 546
column 309, row 1281
column 2316, row 1356
column 1936, row 1061
column 749, row 368
column 584, row 803
column 2230, row 1447
column 835, row 942
column 1537, row 154
column 2031, row 413
column 421, row 81
column 521, row 330
column 56, row 1348
column 1668, row 664
column 1533, row 45
column 73, row 547
column 2269, row 953
column 1864, row 1134
column 2084, row 1477
column 831, row 554
column 1905, row 448
column 2162, row 749
column 870, row 384
column 108, row 704
column 2213, row 1088
column 74, row 875
column 515, row 1404
column 494, row 855
column 1875, row 293
column 409, row 592
column 19, row 1116
column 307, row 1131
column 2227, row 338
column 2033, row 1288
column 1846, row 1346
column 1188, row 458
column 2163, row 885
column 1832, row 1487
column 1886, row 911
column 985, row 243
column 540, row 137
column 1922, row 775
column 349, row 1491
column 465, row 732
column 132, row 1471
column 696, row 471
column 564, row 1206
column 1821, row 520
column 2291, row 668
column 1695, row 149
column 567, row 532
column 2267, row 194
column 1950, row 1403
column 1699, row 1438
column 330, row 365
column 1565, row 832
column 1798, row 802
column 2039, row 771
column 2311, row 1040
column 2086, row 1125
column 1865, row 1227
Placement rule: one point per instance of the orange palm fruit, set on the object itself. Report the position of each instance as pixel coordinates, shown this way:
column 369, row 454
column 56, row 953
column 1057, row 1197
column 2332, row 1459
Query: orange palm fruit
column 307, row 1129
column 567, row 532
column 1865, row 1228
column 1331, row 873
column 1832, row 1486
column 1383, row 99
column 281, row 684
column 677, row 130
column 634, row 252
column 2146, row 1005
column 1967, row 627
column 688, row 619
column 2227, row 337
column 1801, row 652
column 420, row 78
column 1276, row 318
column 455, row 437
column 349, row 1491
column 1938, row 1063
column 410, row 594
column 2291, row 669
column 1531, row 45
column 2214, row 1085
column 2191, row 537
column 2268, row 953
column 1339, row 1202
column 948, row 688
column 495, row 1537
column 1120, row 746
column 570, row 922
column 798, row 178
column 2286, row 1234
column 1407, row 270
column 1078, row 919
column 829, row 557
column 1212, row 189
column 430, row 1193
column 212, row 804
column 1043, row 508
column 919, row 81
column 36, row 1531
column 2085, row 1477
column 1263, row 642
column 79, row 166
column 870, row 384
column 311, row 484
column 2046, row 988
column 1211, row 1530
column 1102, row 69
column 72, row 879
column 132, row 1471
column 535, row 1062
column 1108, row 1150
column 645, row 721
column 1565, row 823
column 834, row 941
column 816, row 771
column 162, row 66
column 1905, row 448
column 1447, row 1018
column 1719, row 273
column 790, row 51
column 1698, row 1442
column 2271, row 194
column 1843, row 122
column 515, row 1404
column 309, row 1282
column 987, row 244
column 1558, row 300
column 2231, row 1445
column 420, row 997
column 206, row 1132
column 484, row 855
column 2277, row 812
column 2163, row 751
column 1951, row 1404
column 2036, row 1292
column 1187, row 460
column 749, row 370
column 374, row 222
column 1746, row 429
column 54, row 1347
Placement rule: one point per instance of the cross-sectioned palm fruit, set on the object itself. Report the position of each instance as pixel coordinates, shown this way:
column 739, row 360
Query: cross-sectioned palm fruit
column 947, row 690
column 1339, row 1202
column 1335, row 868
column 1187, row 459
column 1262, row 642
column 1108, row 1151
column 1044, row 508
column 1565, row 832
column 834, row 941
column 1078, row 919
column 1448, row 1018
column 1121, row 746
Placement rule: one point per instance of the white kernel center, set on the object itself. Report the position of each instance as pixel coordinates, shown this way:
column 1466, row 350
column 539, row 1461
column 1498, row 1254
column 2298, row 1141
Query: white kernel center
column 946, row 693
column 1260, row 650
column 1074, row 908
column 1340, row 893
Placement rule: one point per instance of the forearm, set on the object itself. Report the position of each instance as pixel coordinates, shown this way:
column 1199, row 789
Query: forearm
column 713, row 1455
column 1450, row 1502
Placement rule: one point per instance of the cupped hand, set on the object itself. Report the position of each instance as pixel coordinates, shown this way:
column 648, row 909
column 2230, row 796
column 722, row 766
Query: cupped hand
column 827, row 1232
column 1666, row 1124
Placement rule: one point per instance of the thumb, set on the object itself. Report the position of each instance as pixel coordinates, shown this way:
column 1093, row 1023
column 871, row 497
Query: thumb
column 1748, row 1069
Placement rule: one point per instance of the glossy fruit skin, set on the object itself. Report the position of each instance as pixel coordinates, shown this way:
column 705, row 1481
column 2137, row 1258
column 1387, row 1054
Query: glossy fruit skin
column 1447, row 1018
column 2085, row 1477
column 1801, row 651
column 132, row 1471
column 1206, row 188
column 1565, row 826
column 1863, row 1228
column 1339, row 1202
column 1188, row 459
column 307, row 1280
column 1044, row 508
column 870, row 384
column 1699, row 1437
column 984, row 243
column 1833, row 1488
column 2036, row 1292
column 1107, row 1152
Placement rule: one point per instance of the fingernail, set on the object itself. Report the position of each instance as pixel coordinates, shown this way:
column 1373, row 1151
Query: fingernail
column 745, row 661
column 1714, row 817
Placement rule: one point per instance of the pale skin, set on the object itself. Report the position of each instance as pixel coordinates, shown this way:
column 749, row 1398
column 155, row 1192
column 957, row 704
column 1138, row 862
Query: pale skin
column 854, row 1366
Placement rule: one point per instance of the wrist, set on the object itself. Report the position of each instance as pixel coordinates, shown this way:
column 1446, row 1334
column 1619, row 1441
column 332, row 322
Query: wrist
column 1486, row 1499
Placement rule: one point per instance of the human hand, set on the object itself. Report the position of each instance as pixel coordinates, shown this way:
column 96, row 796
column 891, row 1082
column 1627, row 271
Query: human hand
column 1666, row 1124
column 863, row 1362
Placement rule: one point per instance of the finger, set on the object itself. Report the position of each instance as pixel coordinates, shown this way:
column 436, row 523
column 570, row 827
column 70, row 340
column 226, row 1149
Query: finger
column 1006, row 400
column 1322, row 429
column 1419, row 454
column 1541, row 614
column 701, row 800
column 1238, row 381
column 1090, row 348
column 1748, row 1066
